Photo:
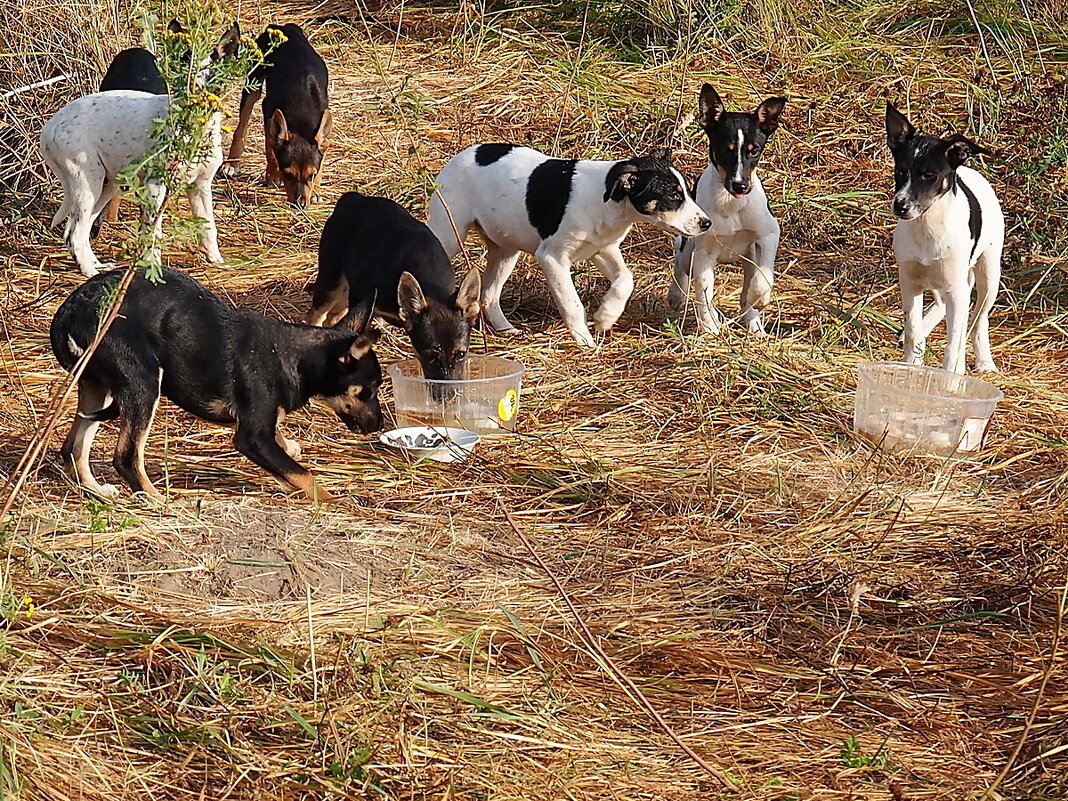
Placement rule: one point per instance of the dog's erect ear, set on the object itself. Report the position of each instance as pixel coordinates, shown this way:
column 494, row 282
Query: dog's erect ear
column 624, row 184
column 709, row 107
column 174, row 26
column 661, row 153
column 960, row 148
column 467, row 296
column 358, row 318
column 325, row 124
column 228, row 43
column 410, row 299
column 898, row 129
column 279, row 128
column 767, row 114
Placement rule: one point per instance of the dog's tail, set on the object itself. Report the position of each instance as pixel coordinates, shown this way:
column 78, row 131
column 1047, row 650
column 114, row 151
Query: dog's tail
column 109, row 412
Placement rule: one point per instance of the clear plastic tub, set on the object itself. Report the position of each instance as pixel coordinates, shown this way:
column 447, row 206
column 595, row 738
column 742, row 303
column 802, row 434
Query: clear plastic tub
column 911, row 409
column 485, row 400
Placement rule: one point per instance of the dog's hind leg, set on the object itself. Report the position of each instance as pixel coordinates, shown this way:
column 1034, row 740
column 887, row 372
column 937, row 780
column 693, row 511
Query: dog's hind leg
column 499, row 265
column 92, row 397
column 85, row 187
column 138, row 399
column 987, row 274
column 329, row 305
column 610, row 262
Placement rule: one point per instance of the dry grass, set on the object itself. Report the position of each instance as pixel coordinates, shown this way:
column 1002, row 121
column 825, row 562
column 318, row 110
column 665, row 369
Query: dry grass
column 774, row 586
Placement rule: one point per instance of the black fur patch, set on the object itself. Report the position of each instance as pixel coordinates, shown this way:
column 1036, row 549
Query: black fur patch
column 548, row 191
column 655, row 186
column 488, row 154
column 975, row 216
column 134, row 68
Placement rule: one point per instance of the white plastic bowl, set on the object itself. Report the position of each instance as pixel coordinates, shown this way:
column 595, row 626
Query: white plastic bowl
column 432, row 442
column 912, row 409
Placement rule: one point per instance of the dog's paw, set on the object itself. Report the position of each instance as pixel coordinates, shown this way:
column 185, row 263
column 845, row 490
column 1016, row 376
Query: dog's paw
column 230, row 169
column 292, row 449
column 213, row 257
column 584, row 339
column 985, row 367
column 109, row 491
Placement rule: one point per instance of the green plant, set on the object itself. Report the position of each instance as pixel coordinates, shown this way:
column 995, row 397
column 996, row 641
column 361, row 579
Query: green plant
column 853, row 755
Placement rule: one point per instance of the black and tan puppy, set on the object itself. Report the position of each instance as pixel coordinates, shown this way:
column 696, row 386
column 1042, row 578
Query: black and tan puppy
column 220, row 363
column 372, row 248
column 296, row 117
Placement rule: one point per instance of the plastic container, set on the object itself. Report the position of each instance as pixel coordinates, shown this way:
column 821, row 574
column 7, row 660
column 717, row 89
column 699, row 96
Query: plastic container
column 485, row 400
column 431, row 442
column 912, row 409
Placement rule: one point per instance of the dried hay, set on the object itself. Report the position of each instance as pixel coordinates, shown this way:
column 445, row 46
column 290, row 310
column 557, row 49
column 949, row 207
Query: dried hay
column 774, row 586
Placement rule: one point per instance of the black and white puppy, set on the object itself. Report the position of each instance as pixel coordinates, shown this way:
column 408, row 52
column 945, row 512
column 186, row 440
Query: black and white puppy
column 373, row 250
column 949, row 236
column 743, row 227
column 562, row 211
column 232, row 366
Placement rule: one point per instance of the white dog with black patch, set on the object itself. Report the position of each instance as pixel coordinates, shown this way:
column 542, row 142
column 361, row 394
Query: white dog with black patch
column 562, row 211
column 743, row 228
column 949, row 237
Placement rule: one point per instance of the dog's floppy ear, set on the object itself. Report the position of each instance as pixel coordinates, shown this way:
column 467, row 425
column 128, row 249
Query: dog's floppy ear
column 767, row 114
column 279, row 128
column 960, row 148
column 228, row 43
column 325, row 124
column 358, row 318
column 624, row 183
column 709, row 107
column 410, row 298
column 467, row 296
column 898, row 129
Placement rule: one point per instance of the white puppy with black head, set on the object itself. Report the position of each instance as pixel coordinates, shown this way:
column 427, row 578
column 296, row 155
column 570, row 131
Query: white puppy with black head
column 562, row 211
column 949, row 236
column 743, row 227
column 91, row 140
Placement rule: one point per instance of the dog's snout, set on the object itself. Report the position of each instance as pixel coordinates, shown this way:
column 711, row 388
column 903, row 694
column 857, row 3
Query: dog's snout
column 739, row 187
column 704, row 224
column 900, row 207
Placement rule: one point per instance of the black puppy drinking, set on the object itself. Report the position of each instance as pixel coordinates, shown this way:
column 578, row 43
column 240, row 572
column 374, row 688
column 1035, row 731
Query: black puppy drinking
column 372, row 248
column 220, row 363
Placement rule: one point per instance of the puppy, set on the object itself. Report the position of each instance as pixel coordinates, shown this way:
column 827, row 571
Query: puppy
column 743, row 227
column 219, row 363
column 372, row 248
column 562, row 211
column 296, row 120
column 949, row 236
column 134, row 68
column 90, row 140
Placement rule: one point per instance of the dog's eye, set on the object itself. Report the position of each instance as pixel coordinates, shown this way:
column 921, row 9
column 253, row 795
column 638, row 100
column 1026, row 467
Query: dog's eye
column 927, row 176
column 460, row 355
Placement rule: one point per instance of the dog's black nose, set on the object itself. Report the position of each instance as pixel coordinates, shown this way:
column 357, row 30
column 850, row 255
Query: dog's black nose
column 739, row 187
column 899, row 207
column 705, row 224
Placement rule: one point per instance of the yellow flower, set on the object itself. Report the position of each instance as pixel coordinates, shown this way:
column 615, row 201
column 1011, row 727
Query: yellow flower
column 28, row 603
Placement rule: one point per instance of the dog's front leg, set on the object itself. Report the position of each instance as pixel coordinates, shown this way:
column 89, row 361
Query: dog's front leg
column 557, row 270
column 912, row 304
column 758, row 277
column 260, row 444
column 956, row 298
column 237, row 144
column 703, row 259
column 200, row 203
column 621, row 285
column 152, row 212
column 680, row 281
